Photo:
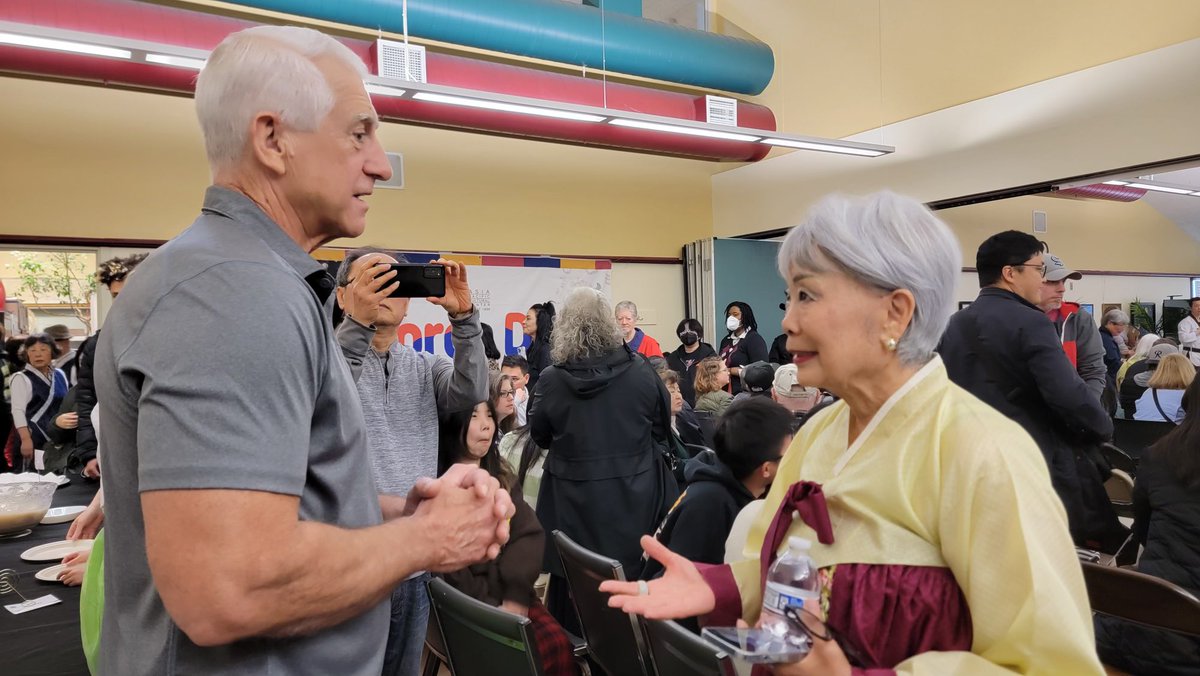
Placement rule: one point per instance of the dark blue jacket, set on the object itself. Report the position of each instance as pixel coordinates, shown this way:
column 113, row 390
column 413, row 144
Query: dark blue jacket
column 1005, row 351
column 1112, row 355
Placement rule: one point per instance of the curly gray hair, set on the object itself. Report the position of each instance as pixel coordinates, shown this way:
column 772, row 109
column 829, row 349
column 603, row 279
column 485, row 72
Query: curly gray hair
column 585, row 327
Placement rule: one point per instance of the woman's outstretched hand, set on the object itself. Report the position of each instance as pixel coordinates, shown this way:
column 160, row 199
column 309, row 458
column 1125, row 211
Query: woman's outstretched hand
column 680, row 592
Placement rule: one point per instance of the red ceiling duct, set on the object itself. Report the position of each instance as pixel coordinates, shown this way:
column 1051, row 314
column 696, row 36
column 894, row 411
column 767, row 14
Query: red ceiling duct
column 184, row 28
column 1102, row 191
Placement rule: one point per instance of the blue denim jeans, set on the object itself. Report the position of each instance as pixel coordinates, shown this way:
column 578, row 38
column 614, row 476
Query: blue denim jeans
column 406, row 635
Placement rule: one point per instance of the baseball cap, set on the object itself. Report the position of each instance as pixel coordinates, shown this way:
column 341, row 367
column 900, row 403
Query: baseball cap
column 1057, row 270
column 791, row 394
column 1157, row 352
column 58, row 332
column 757, row 377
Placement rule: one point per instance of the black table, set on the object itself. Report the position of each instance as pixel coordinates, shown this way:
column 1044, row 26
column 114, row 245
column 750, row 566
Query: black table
column 46, row 641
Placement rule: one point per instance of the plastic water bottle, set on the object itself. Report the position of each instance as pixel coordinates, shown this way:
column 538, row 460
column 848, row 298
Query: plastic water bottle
column 791, row 582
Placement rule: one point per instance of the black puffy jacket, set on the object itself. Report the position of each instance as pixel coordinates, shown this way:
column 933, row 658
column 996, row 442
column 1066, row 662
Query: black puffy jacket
column 1167, row 523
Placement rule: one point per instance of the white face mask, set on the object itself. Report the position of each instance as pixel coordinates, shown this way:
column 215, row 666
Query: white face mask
column 733, row 323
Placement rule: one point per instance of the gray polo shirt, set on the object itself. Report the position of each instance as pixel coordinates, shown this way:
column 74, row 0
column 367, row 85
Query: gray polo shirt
column 218, row 368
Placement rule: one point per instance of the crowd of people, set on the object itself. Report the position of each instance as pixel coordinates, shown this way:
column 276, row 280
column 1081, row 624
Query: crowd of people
column 945, row 465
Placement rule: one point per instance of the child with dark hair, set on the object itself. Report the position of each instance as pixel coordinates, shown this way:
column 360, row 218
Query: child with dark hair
column 507, row 582
column 749, row 441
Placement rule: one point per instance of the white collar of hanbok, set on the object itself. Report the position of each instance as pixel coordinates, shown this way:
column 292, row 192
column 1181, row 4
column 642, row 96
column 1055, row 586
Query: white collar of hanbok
column 916, row 378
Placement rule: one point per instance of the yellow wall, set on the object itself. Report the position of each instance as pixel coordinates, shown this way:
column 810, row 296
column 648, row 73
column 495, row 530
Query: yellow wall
column 935, row 53
column 1092, row 235
column 93, row 162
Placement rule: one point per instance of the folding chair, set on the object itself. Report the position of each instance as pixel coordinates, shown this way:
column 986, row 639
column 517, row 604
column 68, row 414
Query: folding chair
column 1135, row 436
column 678, row 652
column 1119, row 459
column 1120, row 492
column 613, row 638
column 1142, row 599
column 482, row 640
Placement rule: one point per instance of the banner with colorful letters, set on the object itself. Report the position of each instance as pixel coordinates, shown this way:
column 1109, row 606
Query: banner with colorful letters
column 503, row 288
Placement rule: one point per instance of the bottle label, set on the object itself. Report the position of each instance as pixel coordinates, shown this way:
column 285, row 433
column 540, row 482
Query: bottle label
column 778, row 597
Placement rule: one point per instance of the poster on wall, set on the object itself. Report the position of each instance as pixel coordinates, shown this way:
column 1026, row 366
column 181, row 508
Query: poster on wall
column 503, row 288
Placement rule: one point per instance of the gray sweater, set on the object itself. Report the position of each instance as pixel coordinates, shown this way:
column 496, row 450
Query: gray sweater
column 402, row 393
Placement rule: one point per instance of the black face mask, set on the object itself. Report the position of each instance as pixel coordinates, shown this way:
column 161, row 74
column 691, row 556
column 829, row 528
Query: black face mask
column 689, row 338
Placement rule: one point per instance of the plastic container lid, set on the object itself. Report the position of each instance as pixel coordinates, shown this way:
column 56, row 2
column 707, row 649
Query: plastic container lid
column 795, row 542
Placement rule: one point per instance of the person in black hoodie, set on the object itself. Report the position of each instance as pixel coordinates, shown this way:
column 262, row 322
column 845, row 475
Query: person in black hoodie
column 604, row 417
column 749, row 441
column 1166, row 521
column 691, row 350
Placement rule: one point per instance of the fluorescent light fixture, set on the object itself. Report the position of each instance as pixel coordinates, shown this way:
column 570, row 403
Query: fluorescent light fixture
column 1160, row 188
column 506, row 107
column 63, row 46
column 677, row 129
column 176, row 61
column 823, row 147
column 383, row 90
column 1116, row 183
column 45, row 37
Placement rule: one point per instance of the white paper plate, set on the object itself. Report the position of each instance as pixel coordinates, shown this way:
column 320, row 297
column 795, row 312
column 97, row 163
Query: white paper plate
column 50, row 574
column 62, row 514
column 55, row 551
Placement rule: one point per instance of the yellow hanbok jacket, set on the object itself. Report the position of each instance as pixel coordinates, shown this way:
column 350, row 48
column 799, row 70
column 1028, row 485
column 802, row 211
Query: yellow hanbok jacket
column 950, row 551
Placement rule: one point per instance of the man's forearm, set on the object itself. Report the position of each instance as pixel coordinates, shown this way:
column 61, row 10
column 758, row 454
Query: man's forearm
column 324, row 576
column 321, row 590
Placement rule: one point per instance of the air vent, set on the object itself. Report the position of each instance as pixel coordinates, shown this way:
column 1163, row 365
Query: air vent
column 1039, row 222
column 721, row 110
column 400, row 61
column 397, row 180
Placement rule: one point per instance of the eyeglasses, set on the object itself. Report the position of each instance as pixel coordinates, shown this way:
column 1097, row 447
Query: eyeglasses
column 1040, row 268
column 507, row 393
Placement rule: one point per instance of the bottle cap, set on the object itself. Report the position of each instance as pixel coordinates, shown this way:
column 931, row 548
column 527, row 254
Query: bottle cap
column 799, row 543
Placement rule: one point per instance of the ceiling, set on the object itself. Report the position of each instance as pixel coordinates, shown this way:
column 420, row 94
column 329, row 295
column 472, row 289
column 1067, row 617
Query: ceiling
column 1184, row 210
column 842, row 67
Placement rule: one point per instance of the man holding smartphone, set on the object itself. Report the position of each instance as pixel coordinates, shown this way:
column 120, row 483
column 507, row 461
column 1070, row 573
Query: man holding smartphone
column 403, row 392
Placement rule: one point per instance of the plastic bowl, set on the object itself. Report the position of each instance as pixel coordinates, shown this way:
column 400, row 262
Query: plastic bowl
column 24, row 503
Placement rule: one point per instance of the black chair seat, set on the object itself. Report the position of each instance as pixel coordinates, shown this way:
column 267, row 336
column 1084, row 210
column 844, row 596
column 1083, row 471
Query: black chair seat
column 614, row 638
column 1143, row 599
column 678, row 652
column 1135, row 436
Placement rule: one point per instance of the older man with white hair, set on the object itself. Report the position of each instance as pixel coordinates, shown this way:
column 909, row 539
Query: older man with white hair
column 244, row 532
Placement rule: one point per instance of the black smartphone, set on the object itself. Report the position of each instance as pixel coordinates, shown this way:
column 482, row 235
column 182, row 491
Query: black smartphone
column 418, row 281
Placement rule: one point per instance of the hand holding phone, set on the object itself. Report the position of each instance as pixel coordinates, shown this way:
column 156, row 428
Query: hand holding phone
column 757, row 645
column 367, row 288
column 455, row 295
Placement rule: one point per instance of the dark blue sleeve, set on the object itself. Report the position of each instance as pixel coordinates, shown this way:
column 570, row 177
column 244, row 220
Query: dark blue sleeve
column 1060, row 385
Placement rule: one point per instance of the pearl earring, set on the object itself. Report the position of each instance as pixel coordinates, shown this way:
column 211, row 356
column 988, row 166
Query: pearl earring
column 890, row 344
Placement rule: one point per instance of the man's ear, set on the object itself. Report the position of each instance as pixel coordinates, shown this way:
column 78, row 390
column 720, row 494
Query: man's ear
column 269, row 142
